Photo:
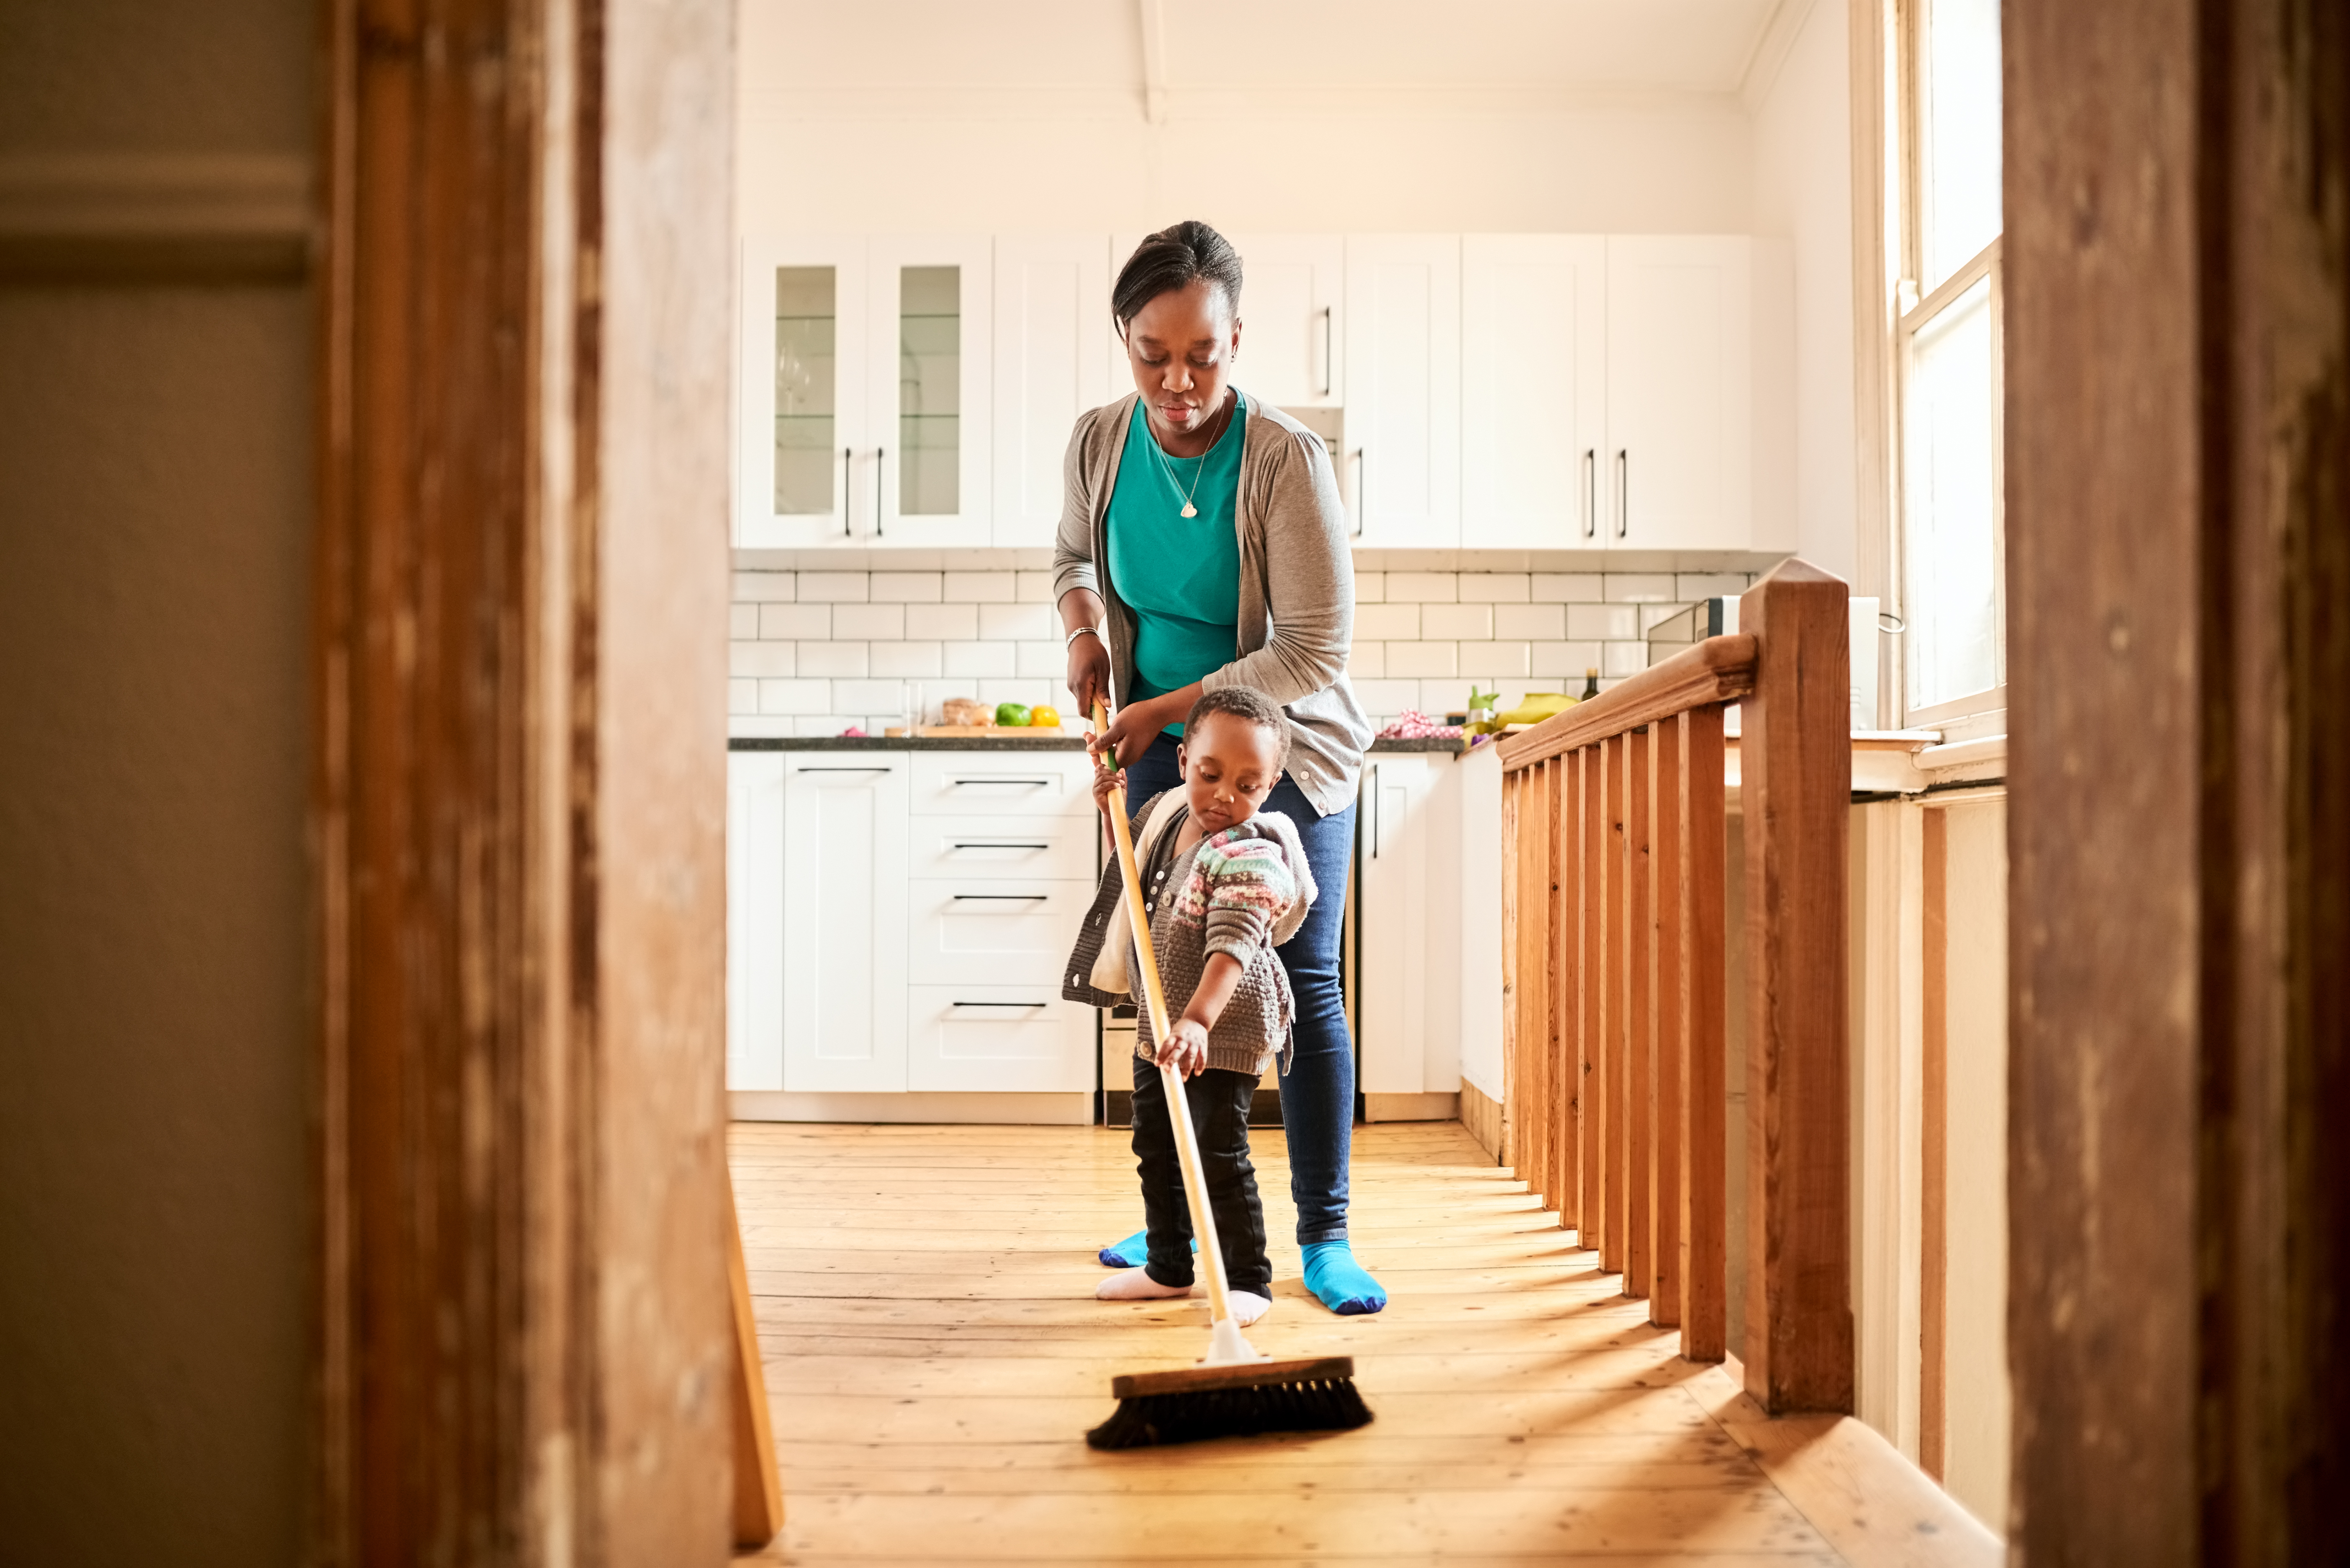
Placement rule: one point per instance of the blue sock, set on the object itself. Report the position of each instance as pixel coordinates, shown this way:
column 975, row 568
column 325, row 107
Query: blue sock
column 1340, row 1282
column 1130, row 1253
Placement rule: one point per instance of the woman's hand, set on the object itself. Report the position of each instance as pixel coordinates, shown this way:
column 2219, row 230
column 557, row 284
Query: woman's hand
column 1133, row 727
column 1185, row 1049
column 1088, row 674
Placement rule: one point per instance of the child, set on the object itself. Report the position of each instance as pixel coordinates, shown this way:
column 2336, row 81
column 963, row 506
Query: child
column 1226, row 884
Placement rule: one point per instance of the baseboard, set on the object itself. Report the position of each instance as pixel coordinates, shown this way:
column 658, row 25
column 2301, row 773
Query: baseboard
column 1483, row 1117
column 1018, row 1109
column 1411, row 1107
column 1265, row 1110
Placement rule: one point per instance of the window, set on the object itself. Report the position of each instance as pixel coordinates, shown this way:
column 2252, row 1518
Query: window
column 1944, row 77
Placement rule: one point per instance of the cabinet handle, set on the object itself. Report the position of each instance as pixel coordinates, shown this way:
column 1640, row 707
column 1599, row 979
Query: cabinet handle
column 1018, row 1004
column 993, row 845
column 1031, row 784
column 1623, row 492
column 1361, row 497
column 879, row 467
column 823, row 770
column 1003, row 897
column 1375, row 811
column 846, row 455
column 1590, row 493
column 1327, row 341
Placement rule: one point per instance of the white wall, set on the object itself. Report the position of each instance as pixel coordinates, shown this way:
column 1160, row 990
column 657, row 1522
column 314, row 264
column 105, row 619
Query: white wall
column 855, row 118
column 1802, row 192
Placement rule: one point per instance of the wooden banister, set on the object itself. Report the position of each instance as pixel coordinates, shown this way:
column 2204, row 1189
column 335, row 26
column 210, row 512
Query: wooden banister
column 1614, row 822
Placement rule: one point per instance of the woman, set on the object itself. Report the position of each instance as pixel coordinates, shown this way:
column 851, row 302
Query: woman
column 1203, row 544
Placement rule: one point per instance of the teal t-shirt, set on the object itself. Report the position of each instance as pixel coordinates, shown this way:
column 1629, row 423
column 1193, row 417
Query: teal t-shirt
column 1180, row 576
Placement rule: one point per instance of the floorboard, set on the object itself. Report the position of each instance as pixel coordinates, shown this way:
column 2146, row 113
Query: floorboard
column 933, row 1357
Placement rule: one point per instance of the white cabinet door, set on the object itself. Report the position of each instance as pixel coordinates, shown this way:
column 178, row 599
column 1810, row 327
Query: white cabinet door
column 804, row 403
column 754, row 919
column 993, row 933
column 1394, row 870
column 1293, row 337
column 1677, row 472
column 1055, row 351
column 1038, row 784
column 1403, row 387
column 1534, row 389
column 929, row 334
column 998, row 1039
column 845, row 921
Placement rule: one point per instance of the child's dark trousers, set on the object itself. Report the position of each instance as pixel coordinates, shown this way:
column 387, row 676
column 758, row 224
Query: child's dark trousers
column 1219, row 1102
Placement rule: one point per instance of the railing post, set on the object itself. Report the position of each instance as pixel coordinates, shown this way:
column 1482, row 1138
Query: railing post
column 1704, row 1089
column 1796, row 782
column 1513, row 787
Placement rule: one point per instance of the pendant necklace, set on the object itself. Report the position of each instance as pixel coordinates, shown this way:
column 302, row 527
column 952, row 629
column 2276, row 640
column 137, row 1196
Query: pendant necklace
column 1168, row 464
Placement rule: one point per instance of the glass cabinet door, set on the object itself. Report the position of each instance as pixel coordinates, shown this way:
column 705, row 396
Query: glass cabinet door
column 929, row 390
column 802, row 393
column 808, row 453
column 929, row 452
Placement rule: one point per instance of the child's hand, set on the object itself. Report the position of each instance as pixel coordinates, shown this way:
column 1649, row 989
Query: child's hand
column 1185, row 1049
column 1103, row 783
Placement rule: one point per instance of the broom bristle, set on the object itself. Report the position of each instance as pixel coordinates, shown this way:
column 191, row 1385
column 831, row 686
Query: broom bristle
column 1146, row 1420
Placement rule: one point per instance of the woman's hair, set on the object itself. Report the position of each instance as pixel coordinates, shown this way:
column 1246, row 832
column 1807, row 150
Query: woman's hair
column 1173, row 258
column 1244, row 702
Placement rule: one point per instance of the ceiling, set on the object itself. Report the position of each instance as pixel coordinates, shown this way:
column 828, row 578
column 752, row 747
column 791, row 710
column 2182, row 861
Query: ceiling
column 1264, row 45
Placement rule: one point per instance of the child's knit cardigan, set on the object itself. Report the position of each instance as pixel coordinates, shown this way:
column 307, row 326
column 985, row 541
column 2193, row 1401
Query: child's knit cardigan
column 1244, row 892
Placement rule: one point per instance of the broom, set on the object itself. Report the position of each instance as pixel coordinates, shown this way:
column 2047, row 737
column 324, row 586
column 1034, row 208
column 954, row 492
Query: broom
column 1237, row 1391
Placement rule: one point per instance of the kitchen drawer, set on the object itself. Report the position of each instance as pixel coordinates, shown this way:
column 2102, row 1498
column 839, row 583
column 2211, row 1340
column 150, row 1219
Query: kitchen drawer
column 965, row 932
column 1002, row 783
column 1003, row 1038
column 999, row 848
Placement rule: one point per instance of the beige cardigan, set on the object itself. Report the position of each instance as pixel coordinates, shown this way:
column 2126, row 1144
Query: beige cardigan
column 1297, row 585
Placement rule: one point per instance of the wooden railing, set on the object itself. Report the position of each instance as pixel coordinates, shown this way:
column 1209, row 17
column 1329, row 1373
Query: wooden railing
column 1615, row 827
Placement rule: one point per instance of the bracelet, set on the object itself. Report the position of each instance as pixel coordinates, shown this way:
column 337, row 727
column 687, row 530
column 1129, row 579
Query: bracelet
column 1081, row 631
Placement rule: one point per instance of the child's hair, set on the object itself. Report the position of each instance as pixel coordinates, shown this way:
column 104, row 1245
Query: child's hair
column 1245, row 703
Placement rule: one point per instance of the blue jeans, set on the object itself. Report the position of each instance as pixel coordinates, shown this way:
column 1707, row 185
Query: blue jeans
column 1317, row 1093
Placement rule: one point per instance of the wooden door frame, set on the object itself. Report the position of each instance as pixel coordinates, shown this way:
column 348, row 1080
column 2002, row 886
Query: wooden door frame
column 524, row 1347
column 2177, row 365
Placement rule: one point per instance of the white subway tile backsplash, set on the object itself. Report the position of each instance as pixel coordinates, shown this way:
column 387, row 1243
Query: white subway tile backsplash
column 1046, row 659
column 1565, row 659
column 1386, row 623
column 889, row 697
column 1015, row 623
column 915, row 660
column 1371, row 588
column 1386, row 699
column 769, row 658
column 742, row 696
column 906, row 588
column 1495, row 588
column 842, row 659
column 795, row 696
column 835, row 587
column 983, row 587
column 1456, row 623
column 854, row 623
column 1033, row 588
column 1530, row 621
column 1638, row 588
column 1028, row 693
column 948, row 623
column 816, row 726
column 1707, row 585
column 1423, row 588
column 1496, row 659
column 1652, row 614
column 1568, row 587
column 794, row 623
column 763, row 587
column 1625, row 658
column 979, row 658
column 1367, row 661
column 1601, row 623
column 741, row 621
column 1423, row 658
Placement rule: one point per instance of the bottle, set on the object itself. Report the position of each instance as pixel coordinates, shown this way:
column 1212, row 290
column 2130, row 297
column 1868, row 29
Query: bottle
column 1591, row 683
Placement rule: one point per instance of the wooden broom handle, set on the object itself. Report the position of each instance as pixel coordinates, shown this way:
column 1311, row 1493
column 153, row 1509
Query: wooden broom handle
column 1187, row 1143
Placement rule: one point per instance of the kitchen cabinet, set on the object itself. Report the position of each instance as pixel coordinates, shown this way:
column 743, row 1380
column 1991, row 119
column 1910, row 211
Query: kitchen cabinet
column 1293, row 299
column 754, row 919
column 866, row 392
column 1676, row 467
column 844, row 927
column 1401, row 468
column 1393, row 870
column 1056, row 355
column 1533, row 391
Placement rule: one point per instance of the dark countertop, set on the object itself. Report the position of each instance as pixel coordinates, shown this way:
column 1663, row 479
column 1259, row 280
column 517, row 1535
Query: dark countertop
column 983, row 743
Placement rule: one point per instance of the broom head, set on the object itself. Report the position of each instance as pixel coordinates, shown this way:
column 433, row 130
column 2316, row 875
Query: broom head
column 1315, row 1394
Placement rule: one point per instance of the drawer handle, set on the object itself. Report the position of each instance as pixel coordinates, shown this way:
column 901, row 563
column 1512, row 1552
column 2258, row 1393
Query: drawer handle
column 883, row 770
column 1003, row 897
column 1019, row 1004
column 997, row 845
column 1028, row 783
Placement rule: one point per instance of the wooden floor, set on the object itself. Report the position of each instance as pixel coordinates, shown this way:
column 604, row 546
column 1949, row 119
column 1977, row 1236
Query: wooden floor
column 934, row 1355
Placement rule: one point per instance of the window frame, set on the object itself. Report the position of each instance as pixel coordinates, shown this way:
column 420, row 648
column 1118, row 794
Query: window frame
column 1975, row 713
